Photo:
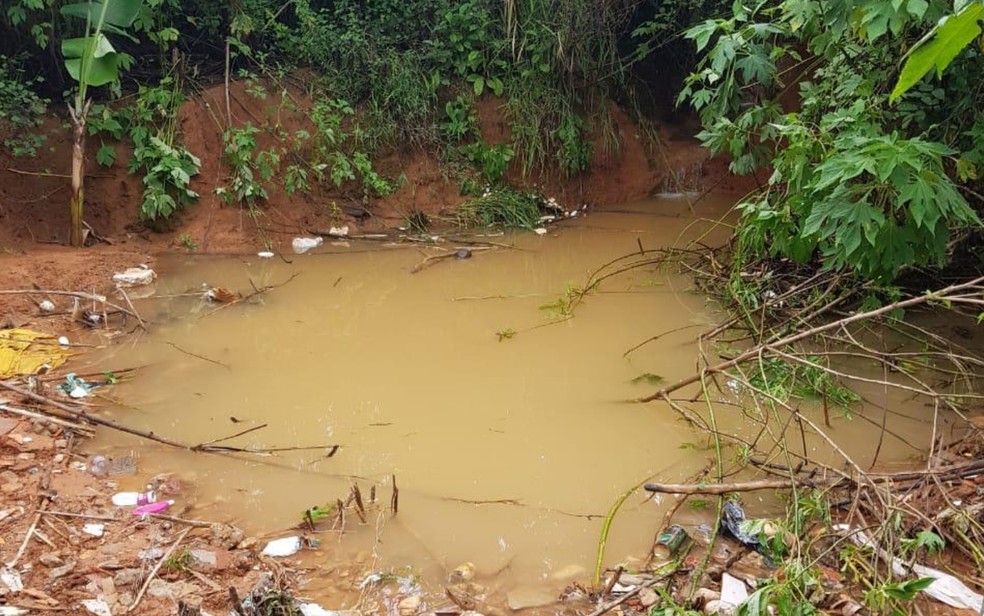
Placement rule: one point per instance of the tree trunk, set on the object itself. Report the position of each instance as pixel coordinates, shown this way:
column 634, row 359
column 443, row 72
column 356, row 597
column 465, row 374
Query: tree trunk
column 76, row 237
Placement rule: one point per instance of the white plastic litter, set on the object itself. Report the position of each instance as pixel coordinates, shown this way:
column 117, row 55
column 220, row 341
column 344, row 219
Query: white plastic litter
column 99, row 607
column 96, row 530
column 12, row 580
column 288, row 546
column 733, row 591
column 304, row 244
column 6, row 610
column 945, row 589
column 313, row 609
column 78, row 392
column 63, row 340
column 342, row 231
column 46, row 306
column 540, row 231
column 265, row 254
column 135, row 277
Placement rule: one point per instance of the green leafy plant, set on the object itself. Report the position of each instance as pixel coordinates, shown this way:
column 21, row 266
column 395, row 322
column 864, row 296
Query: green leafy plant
column 167, row 166
column 491, row 161
column 250, row 169
column 461, row 121
column 21, row 109
column 92, row 61
column 189, row 244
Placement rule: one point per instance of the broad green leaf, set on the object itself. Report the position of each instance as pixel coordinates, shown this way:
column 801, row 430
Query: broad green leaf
column 118, row 12
column 103, row 66
column 106, row 155
column 939, row 48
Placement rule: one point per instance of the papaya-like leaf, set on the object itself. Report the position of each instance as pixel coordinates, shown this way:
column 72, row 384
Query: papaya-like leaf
column 938, row 48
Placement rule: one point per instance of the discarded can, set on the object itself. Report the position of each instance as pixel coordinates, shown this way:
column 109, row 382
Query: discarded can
column 670, row 541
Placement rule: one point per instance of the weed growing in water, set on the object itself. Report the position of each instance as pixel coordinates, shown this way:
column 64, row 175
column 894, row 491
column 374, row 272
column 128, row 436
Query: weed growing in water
column 189, row 244
column 501, row 207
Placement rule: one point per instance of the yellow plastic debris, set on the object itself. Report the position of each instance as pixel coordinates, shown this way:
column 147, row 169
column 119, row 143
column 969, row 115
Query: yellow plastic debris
column 23, row 351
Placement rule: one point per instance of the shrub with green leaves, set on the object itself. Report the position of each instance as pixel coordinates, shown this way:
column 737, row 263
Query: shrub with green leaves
column 21, row 109
column 858, row 184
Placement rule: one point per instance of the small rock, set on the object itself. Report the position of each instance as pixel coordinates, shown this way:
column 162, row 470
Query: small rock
column 61, row 443
column 60, row 572
column 648, row 597
column 723, row 608
column 464, row 572
column 128, row 578
column 59, row 458
column 523, row 597
column 409, row 606
column 51, row 559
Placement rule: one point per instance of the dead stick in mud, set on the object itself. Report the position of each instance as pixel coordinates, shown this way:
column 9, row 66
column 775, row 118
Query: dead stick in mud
column 55, row 420
column 229, row 438
column 79, row 294
column 759, row 349
column 126, row 298
column 108, row 423
column 716, row 489
column 395, row 498
column 157, row 567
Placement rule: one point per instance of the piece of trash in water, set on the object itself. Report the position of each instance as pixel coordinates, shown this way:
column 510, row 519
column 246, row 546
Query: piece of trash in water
column 733, row 591
column 76, row 387
column 342, row 231
column 219, row 294
column 670, row 541
column 46, row 306
column 12, row 580
column 463, row 253
column 287, row 546
column 134, row 499
column 99, row 607
column 22, row 355
column 304, row 244
column 540, row 231
column 945, row 588
column 96, row 530
column 265, row 254
column 372, row 578
column 63, row 340
column 732, row 520
column 313, row 609
column 153, row 508
column 135, row 277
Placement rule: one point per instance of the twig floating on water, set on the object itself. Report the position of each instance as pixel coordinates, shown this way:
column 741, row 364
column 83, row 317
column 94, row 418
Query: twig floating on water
column 196, row 355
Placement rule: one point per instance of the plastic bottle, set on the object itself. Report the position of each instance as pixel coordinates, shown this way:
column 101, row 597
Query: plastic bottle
column 134, row 499
column 153, row 508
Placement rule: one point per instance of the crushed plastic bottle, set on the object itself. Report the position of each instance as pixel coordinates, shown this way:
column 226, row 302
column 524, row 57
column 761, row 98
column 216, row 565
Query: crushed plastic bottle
column 288, row 546
column 304, row 244
column 134, row 499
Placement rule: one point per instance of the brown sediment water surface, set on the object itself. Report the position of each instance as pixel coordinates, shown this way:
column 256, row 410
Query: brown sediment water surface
column 508, row 452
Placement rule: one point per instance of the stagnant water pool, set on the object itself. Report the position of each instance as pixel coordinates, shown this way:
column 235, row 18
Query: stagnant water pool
column 508, row 451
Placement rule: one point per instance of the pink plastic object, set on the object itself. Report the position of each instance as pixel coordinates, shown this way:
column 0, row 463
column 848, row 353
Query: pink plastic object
column 153, row 508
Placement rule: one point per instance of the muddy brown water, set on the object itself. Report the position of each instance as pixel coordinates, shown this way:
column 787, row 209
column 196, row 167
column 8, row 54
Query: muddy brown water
column 507, row 453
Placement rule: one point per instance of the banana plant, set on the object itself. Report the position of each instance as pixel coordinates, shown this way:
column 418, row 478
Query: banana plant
column 92, row 61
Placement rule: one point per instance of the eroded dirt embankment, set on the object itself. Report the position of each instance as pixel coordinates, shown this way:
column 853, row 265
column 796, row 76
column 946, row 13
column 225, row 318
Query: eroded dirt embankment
column 34, row 194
